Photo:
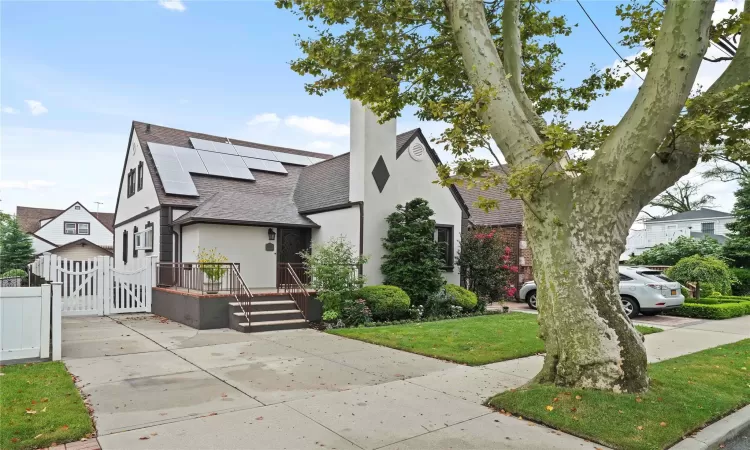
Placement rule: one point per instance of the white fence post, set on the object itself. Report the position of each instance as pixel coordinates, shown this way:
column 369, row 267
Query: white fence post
column 56, row 321
column 44, row 333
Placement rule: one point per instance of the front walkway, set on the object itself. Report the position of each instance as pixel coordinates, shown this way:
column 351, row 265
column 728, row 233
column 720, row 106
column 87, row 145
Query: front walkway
column 157, row 384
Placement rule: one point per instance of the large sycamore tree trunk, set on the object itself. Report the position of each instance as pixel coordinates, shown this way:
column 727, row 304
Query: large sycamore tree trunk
column 577, row 224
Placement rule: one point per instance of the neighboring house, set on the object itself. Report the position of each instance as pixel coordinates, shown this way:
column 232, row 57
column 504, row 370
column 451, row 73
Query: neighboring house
column 696, row 224
column 74, row 233
column 260, row 205
column 508, row 218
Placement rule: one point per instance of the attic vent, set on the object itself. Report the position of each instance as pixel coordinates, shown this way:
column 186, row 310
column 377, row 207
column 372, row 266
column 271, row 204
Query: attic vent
column 77, row 207
column 417, row 151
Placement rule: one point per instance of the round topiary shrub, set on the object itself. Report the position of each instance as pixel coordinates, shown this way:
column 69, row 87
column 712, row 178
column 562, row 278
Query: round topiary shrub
column 385, row 302
column 461, row 297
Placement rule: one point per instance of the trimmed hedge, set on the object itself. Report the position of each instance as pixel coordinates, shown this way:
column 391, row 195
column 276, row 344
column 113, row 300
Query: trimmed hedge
column 722, row 310
column 462, row 297
column 385, row 302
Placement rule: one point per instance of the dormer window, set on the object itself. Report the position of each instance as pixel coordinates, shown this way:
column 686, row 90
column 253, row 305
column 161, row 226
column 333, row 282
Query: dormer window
column 77, row 228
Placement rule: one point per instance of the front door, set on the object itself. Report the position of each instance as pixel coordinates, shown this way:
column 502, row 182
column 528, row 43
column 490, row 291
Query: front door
column 292, row 241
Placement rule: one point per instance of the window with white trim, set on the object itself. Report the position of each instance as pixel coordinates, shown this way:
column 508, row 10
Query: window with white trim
column 707, row 227
column 144, row 240
column 77, row 228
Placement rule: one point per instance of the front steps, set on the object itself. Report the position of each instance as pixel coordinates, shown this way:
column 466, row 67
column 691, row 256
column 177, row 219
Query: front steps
column 267, row 313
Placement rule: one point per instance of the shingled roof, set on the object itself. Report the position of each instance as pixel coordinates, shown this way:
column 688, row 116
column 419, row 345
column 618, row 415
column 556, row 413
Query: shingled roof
column 272, row 197
column 509, row 211
column 29, row 218
column 240, row 207
column 323, row 185
column 703, row 213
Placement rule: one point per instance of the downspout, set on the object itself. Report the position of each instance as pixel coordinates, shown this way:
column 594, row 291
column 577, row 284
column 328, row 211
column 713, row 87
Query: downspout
column 361, row 234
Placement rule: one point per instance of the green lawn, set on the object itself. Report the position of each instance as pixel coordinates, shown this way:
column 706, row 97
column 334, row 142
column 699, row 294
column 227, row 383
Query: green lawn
column 40, row 405
column 686, row 393
column 472, row 340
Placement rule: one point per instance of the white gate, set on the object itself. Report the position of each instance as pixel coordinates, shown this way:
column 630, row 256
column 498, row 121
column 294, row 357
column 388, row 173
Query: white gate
column 25, row 317
column 94, row 287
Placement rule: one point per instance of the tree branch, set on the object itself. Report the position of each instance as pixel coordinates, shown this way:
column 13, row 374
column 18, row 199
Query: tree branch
column 512, row 61
column 509, row 126
column 678, row 51
column 669, row 168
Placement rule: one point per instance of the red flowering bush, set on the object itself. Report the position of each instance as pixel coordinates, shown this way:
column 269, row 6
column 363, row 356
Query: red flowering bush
column 486, row 264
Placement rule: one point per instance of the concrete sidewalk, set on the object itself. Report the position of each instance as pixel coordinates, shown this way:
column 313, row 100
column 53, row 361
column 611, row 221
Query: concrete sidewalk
column 157, row 384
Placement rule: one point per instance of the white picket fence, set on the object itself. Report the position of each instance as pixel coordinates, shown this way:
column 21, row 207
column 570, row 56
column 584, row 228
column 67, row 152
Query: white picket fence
column 95, row 287
column 30, row 320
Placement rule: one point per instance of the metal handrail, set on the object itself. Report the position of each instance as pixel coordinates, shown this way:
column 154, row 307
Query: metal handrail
column 244, row 288
column 301, row 287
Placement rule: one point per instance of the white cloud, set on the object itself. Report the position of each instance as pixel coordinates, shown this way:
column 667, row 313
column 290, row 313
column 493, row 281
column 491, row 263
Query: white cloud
column 36, row 108
column 30, row 185
column 9, row 110
column 316, row 125
column 265, row 118
column 173, row 5
column 320, row 145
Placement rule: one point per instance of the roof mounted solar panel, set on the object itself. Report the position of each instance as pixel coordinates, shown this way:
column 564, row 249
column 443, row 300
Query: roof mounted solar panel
column 173, row 177
column 214, row 163
column 314, row 160
column 289, row 158
column 252, row 152
column 264, row 165
column 212, row 146
column 237, row 167
column 190, row 160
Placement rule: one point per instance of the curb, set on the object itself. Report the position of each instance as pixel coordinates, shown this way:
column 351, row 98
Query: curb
column 716, row 434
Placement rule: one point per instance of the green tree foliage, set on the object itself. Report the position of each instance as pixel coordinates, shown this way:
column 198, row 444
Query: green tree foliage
column 668, row 254
column 741, row 211
column 413, row 257
column 485, row 262
column 737, row 247
column 333, row 267
column 16, row 248
column 702, row 269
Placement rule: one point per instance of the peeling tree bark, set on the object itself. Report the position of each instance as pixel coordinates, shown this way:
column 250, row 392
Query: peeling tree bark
column 579, row 224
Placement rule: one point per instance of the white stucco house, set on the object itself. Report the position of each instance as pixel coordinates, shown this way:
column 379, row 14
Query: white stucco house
column 260, row 205
column 74, row 233
column 696, row 224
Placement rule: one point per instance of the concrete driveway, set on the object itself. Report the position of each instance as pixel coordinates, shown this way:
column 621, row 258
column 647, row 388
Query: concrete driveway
column 160, row 384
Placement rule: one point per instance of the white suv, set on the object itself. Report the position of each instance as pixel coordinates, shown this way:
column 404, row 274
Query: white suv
column 642, row 290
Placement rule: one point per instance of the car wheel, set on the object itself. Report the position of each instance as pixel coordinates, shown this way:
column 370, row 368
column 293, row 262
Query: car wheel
column 531, row 299
column 630, row 306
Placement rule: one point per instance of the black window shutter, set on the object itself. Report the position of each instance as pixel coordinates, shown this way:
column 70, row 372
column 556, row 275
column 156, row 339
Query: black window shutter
column 140, row 175
column 135, row 251
column 125, row 246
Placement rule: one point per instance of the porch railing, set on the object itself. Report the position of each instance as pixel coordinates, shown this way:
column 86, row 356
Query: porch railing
column 245, row 305
column 205, row 278
column 290, row 282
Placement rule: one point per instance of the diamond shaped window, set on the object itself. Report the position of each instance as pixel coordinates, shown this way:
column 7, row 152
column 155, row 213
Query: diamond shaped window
column 380, row 174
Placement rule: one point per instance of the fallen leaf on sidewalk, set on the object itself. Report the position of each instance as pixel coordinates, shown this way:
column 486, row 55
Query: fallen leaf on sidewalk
column 259, row 418
column 223, row 395
column 143, row 438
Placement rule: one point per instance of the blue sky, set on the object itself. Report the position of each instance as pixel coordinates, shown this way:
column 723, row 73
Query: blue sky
column 75, row 74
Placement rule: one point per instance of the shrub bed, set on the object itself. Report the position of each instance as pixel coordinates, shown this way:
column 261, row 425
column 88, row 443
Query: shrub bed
column 717, row 311
column 385, row 302
column 462, row 297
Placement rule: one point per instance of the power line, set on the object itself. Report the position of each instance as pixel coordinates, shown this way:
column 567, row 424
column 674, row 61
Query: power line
column 729, row 50
column 607, row 41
